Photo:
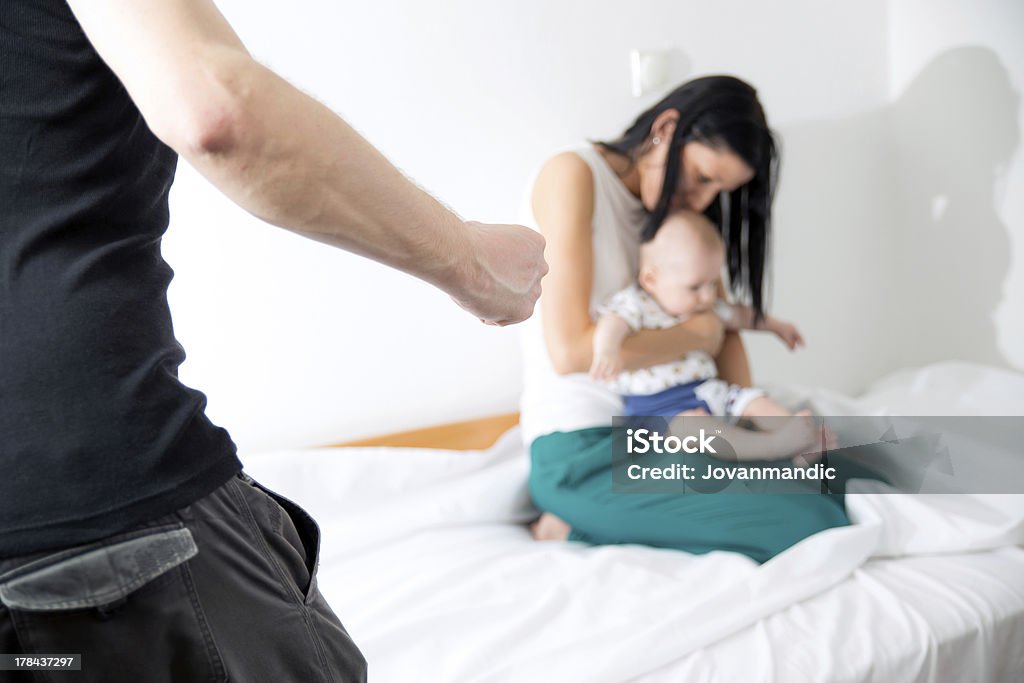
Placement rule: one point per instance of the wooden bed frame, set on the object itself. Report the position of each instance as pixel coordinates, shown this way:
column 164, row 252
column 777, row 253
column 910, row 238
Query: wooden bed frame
column 469, row 435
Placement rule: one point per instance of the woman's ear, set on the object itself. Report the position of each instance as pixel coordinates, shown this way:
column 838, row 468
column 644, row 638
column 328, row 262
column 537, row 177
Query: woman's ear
column 665, row 124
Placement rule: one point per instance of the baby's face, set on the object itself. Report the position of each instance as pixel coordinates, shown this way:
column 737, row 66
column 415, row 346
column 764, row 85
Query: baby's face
column 687, row 283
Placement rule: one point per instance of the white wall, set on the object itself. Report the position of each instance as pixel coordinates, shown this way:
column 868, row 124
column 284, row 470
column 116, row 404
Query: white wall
column 920, row 259
column 955, row 78
column 295, row 343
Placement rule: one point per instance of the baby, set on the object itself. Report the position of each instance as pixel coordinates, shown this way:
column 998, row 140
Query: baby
column 680, row 276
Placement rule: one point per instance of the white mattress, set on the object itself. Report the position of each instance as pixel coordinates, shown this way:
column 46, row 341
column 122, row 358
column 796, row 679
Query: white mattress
column 942, row 618
column 426, row 559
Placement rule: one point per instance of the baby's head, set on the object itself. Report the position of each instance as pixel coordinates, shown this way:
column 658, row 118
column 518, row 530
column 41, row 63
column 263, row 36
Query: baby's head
column 681, row 267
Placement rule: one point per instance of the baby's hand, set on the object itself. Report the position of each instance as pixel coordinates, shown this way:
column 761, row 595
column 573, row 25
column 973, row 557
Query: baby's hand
column 788, row 333
column 606, row 366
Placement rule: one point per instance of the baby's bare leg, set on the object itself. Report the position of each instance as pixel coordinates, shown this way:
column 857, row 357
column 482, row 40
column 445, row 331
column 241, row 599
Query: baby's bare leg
column 747, row 444
column 765, row 414
column 762, row 406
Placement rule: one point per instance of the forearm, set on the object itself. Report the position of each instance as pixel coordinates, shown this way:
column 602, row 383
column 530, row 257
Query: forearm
column 653, row 347
column 743, row 319
column 740, row 317
column 610, row 333
column 292, row 162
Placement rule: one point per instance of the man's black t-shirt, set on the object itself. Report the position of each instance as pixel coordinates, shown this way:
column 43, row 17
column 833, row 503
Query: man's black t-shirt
column 96, row 432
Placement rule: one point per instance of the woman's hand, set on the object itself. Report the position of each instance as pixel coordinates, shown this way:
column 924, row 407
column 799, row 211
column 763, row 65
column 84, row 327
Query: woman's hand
column 503, row 280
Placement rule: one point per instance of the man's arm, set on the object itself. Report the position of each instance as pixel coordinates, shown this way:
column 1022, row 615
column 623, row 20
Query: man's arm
column 292, row 162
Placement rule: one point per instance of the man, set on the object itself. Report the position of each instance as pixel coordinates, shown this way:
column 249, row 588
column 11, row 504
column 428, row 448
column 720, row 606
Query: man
column 127, row 532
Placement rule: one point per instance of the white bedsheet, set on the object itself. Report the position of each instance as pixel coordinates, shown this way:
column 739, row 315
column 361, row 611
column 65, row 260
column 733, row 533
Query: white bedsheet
column 426, row 558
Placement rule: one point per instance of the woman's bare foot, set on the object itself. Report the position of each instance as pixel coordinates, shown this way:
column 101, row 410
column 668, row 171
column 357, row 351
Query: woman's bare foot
column 547, row 527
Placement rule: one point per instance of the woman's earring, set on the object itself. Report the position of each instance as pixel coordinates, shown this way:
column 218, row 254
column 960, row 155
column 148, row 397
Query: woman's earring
column 656, row 140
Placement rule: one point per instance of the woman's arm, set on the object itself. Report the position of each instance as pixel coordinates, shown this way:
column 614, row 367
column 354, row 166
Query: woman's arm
column 704, row 332
column 563, row 205
column 732, row 362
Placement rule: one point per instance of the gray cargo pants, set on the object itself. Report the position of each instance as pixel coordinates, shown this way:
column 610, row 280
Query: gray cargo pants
column 222, row 589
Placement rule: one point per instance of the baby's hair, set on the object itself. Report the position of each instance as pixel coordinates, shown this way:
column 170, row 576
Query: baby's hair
column 678, row 227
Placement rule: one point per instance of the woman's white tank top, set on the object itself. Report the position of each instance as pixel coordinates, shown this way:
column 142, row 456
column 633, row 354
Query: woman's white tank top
column 562, row 403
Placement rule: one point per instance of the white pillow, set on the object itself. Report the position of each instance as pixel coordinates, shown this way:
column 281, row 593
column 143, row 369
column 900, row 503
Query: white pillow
column 948, row 388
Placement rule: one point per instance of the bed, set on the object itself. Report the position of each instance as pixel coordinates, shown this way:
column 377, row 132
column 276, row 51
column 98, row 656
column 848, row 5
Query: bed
column 427, row 559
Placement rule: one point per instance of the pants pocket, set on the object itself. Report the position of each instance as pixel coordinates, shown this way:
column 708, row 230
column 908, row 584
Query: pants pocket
column 127, row 604
column 296, row 539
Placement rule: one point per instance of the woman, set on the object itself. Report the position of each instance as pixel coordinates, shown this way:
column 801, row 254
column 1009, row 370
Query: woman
column 705, row 147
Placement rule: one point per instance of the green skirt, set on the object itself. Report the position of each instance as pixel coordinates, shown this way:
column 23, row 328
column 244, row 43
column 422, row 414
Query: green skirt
column 570, row 476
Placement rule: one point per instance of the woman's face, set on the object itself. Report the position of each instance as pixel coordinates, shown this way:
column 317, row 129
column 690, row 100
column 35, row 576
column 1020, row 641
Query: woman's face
column 705, row 171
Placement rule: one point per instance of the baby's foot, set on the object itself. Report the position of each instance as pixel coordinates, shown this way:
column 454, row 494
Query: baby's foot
column 822, row 439
column 800, row 437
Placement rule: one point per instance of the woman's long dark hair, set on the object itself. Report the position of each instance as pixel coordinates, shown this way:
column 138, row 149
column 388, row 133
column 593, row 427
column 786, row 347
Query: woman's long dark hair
column 724, row 113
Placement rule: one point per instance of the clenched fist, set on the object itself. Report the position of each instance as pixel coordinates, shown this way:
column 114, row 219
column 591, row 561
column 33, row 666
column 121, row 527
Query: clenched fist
column 506, row 267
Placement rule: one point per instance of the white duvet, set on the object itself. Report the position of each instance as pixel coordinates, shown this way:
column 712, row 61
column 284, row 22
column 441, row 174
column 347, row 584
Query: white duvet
column 426, row 559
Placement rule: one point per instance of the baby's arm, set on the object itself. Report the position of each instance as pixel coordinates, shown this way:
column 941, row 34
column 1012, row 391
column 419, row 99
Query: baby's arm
column 740, row 317
column 609, row 334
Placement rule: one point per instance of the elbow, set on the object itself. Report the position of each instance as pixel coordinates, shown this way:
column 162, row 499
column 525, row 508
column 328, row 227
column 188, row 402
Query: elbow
column 562, row 366
column 570, row 350
column 210, row 119
column 564, row 361
column 213, row 131
column 214, row 128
